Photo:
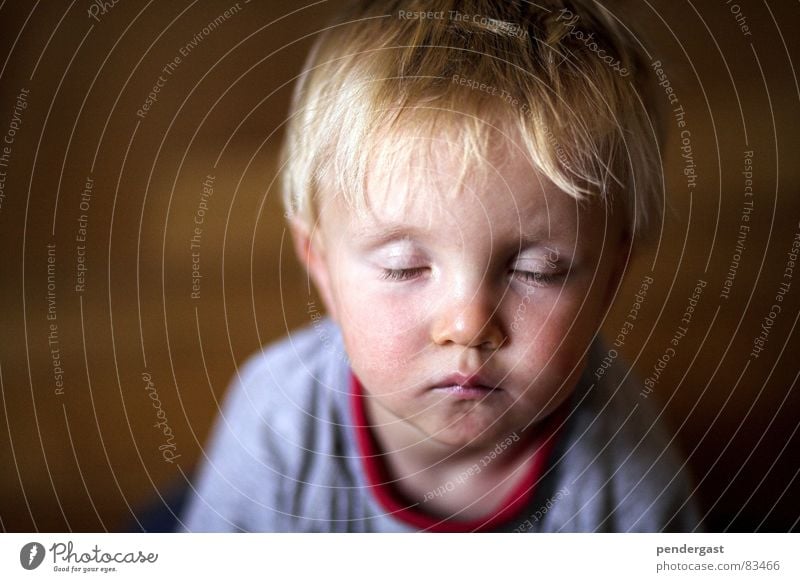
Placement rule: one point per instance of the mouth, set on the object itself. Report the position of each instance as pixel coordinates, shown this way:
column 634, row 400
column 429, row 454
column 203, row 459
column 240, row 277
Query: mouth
column 465, row 387
column 466, row 392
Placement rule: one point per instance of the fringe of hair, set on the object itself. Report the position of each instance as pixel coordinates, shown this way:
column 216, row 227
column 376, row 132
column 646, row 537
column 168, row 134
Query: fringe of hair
column 379, row 85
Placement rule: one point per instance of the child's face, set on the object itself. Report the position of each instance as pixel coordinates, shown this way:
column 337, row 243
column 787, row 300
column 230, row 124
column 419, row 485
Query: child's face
column 508, row 279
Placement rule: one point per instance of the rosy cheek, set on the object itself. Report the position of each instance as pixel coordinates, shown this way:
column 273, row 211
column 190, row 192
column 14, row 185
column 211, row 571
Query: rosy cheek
column 542, row 329
column 378, row 335
column 396, row 313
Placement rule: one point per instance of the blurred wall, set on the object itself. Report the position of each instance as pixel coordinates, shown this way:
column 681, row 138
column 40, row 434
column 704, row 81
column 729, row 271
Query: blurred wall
column 101, row 190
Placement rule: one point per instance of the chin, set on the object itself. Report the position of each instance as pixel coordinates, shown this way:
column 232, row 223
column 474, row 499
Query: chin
column 468, row 433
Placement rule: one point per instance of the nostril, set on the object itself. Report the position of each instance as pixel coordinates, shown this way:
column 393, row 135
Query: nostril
column 470, row 321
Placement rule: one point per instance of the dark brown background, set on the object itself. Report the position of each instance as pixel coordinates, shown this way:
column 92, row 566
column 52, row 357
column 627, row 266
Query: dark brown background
column 89, row 459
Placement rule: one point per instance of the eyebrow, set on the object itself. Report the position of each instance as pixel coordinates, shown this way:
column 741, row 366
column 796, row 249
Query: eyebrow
column 372, row 238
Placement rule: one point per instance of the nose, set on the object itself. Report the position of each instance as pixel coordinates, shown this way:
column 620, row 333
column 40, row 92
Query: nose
column 470, row 320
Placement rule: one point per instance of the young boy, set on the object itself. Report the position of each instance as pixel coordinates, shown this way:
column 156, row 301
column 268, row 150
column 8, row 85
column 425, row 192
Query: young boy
column 463, row 181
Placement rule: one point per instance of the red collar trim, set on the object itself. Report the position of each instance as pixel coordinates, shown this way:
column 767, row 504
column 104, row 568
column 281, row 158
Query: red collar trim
column 378, row 478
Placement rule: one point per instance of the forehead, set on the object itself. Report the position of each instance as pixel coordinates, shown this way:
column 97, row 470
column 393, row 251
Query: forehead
column 436, row 185
column 447, row 183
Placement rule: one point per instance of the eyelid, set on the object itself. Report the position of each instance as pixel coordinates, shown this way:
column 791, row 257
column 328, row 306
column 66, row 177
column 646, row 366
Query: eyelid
column 551, row 257
column 402, row 257
column 535, row 265
column 399, row 263
column 403, row 246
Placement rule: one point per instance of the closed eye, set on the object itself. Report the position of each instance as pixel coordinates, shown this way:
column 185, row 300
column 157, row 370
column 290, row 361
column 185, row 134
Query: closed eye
column 401, row 274
column 538, row 278
column 530, row 277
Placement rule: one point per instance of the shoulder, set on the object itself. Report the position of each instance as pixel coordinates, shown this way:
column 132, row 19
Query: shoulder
column 625, row 459
column 293, row 383
column 286, row 368
column 653, row 481
column 257, row 437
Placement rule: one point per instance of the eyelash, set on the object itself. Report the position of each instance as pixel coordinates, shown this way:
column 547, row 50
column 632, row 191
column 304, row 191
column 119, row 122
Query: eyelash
column 527, row 276
column 539, row 278
column 400, row 274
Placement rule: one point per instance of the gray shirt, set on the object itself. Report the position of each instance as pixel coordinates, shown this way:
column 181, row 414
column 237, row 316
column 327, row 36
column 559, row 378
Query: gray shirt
column 283, row 457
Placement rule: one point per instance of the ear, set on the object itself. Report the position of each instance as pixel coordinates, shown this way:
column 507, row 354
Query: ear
column 311, row 252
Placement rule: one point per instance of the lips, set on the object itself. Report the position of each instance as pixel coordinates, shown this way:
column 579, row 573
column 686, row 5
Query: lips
column 468, row 387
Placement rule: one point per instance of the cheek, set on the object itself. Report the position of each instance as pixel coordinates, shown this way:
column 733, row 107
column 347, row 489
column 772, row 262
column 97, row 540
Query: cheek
column 552, row 336
column 546, row 316
column 382, row 333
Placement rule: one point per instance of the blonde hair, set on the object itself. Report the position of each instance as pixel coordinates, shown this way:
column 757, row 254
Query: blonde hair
column 566, row 76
